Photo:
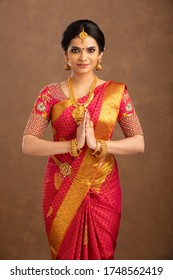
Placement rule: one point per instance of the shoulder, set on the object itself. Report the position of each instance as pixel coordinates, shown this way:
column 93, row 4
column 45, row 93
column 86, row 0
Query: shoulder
column 117, row 83
column 50, row 87
column 117, row 87
column 51, row 90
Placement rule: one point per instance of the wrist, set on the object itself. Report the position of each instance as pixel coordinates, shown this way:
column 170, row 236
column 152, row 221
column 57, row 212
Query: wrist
column 95, row 145
column 74, row 148
column 101, row 148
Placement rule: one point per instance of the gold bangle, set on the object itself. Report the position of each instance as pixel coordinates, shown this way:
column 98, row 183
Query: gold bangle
column 77, row 147
column 103, row 149
column 74, row 150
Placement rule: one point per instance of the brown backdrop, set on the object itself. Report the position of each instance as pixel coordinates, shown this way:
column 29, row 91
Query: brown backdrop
column 139, row 45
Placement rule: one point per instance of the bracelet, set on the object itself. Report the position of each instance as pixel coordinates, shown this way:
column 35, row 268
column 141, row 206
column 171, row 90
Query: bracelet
column 103, row 149
column 74, row 149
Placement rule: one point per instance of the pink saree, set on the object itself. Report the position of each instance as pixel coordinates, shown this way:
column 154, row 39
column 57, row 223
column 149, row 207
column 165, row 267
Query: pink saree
column 82, row 209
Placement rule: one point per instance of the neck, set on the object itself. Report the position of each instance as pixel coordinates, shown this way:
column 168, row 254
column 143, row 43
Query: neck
column 85, row 78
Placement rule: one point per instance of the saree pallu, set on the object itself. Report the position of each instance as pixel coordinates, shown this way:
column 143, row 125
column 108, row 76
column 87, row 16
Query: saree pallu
column 82, row 210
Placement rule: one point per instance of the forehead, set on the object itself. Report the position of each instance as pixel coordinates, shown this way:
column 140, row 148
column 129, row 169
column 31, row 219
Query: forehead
column 88, row 42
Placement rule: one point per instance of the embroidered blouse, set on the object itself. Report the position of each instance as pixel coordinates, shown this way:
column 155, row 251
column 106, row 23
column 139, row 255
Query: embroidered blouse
column 51, row 94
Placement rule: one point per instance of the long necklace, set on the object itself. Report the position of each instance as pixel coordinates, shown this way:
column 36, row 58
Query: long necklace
column 80, row 108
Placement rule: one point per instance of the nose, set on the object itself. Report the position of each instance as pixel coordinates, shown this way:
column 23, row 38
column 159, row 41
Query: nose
column 83, row 55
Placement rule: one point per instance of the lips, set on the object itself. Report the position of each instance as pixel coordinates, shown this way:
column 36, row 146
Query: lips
column 83, row 65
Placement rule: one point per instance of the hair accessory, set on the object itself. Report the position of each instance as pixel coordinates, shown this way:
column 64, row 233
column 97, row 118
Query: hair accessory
column 66, row 66
column 83, row 35
column 99, row 66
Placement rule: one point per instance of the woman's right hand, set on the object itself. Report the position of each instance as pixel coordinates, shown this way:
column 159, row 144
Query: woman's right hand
column 80, row 136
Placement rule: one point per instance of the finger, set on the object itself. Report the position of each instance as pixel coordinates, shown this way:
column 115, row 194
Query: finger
column 81, row 126
column 86, row 120
column 91, row 124
column 87, row 116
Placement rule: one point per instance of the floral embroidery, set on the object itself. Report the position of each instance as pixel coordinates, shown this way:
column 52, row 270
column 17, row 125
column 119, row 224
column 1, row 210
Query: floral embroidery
column 43, row 103
column 128, row 107
column 41, row 107
column 127, row 117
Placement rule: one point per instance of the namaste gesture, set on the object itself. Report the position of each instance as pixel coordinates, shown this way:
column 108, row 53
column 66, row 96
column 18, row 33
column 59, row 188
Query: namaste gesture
column 85, row 133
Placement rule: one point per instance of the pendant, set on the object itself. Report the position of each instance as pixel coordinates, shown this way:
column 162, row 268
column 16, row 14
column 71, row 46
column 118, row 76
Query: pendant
column 78, row 114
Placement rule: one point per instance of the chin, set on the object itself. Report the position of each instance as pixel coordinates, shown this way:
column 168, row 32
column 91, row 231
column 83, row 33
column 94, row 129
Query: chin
column 84, row 70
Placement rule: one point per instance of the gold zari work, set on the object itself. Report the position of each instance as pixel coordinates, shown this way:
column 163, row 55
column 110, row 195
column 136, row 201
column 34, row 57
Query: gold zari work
column 50, row 211
column 90, row 171
column 64, row 167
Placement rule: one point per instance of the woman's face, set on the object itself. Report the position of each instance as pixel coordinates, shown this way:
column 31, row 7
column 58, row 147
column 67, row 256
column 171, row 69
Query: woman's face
column 83, row 56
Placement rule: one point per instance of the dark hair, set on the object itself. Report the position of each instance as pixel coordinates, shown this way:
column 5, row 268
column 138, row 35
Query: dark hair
column 76, row 27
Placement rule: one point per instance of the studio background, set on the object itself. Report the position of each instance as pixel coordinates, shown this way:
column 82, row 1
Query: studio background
column 139, row 45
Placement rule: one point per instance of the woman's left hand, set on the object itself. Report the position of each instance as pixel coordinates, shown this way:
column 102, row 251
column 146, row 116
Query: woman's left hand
column 89, row 132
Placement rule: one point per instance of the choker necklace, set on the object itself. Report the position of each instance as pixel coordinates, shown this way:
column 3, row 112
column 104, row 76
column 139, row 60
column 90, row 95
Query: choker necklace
column 80, row 108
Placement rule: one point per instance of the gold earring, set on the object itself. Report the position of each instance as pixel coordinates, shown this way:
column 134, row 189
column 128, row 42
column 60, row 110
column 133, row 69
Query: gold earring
column 99, row 66
column 66, row 66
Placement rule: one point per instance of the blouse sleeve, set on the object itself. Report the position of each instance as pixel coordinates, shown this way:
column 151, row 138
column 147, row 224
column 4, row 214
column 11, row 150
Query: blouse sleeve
column 127, row 117
column 40, row 115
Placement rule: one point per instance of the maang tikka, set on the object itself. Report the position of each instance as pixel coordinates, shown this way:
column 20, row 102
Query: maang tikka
column 83, row 35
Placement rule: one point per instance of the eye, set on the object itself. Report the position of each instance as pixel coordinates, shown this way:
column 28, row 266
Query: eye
column 74, row 50
column 91, row 50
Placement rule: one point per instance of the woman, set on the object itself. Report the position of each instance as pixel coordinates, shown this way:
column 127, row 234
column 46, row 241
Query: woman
column 82, row 196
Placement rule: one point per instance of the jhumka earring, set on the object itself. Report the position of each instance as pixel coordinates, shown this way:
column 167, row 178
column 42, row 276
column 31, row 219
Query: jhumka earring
column 99, row 66
column 66, row 66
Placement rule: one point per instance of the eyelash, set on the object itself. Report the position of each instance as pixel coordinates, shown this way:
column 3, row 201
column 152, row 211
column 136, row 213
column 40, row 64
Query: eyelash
column 77, row 51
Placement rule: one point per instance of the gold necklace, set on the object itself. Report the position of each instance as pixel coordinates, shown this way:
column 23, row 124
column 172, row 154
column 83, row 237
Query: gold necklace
column 80, row 108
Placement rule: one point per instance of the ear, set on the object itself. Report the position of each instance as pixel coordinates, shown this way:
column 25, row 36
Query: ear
column 100, row 55
column 65, row 54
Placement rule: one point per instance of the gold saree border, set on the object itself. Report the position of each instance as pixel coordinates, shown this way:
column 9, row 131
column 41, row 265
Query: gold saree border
column 111, row 103
column 59, row 108
column 71, row 204
column 77, row 192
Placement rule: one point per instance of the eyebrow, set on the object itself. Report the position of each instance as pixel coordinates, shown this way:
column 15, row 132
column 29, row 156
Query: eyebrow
column 74, row 47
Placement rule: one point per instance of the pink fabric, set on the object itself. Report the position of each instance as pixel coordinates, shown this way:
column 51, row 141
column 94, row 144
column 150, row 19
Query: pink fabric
column 101, row 211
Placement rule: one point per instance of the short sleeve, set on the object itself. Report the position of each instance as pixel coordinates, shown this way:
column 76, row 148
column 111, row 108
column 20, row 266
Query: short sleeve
column 40, row 115
column 43, row 104
column 128, row 118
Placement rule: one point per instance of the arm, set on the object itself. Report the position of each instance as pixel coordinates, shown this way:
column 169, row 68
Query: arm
column 127, row 146
column 130, row 145
column 32, row 145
